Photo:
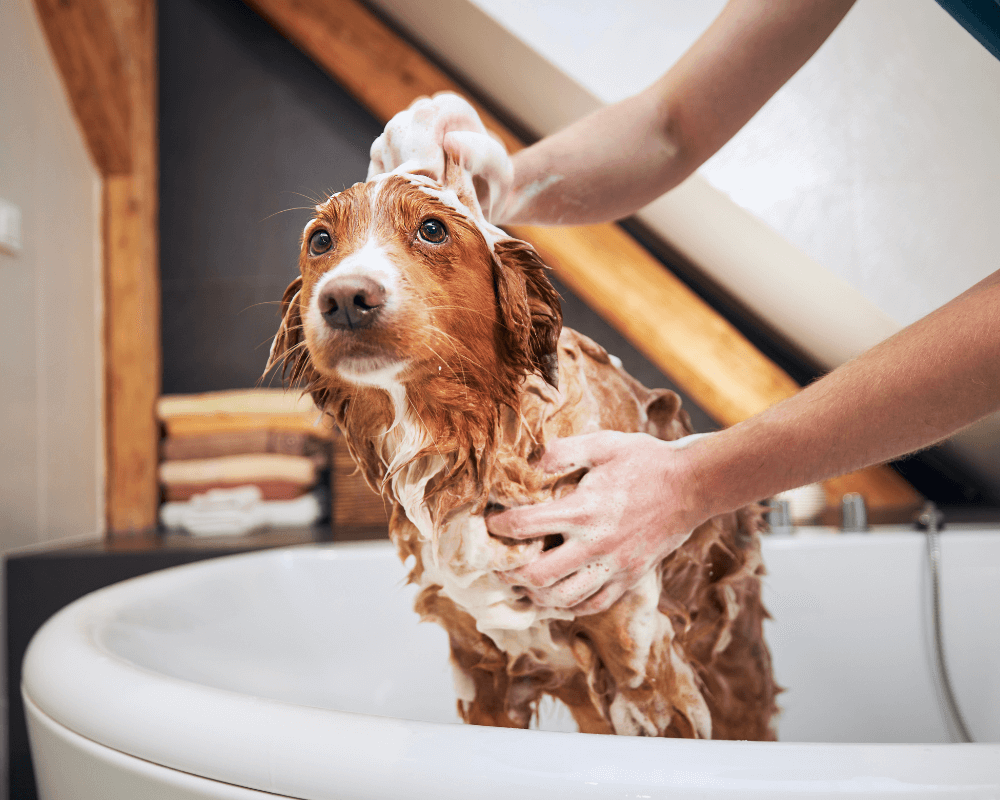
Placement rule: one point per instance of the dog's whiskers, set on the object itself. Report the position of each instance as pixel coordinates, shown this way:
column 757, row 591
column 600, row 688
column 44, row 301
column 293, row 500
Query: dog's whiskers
column 284, row 211
column 458, row 353
column 491, row 317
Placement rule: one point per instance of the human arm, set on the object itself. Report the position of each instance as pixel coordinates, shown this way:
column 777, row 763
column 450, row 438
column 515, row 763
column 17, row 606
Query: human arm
column 619, row 158
column 641, row 498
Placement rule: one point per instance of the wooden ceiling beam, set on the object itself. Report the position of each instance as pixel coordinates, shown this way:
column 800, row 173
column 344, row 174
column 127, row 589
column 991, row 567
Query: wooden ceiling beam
column 680, row 333
column 132, row 287
column 85, row 47
column 375, row 66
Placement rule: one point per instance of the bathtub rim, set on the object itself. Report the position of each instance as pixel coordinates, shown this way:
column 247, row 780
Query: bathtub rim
column 276, row 738
column 111, row 773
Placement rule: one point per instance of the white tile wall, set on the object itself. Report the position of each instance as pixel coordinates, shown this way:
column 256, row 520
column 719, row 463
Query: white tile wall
column 51, row 461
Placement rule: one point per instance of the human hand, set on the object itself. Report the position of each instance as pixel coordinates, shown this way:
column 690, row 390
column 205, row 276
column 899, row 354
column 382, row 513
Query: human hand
column 420, row 139
column 633, row 507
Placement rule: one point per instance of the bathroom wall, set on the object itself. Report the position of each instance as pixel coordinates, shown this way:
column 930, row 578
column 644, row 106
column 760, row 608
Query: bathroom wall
column 51, row 461
column 252, row 136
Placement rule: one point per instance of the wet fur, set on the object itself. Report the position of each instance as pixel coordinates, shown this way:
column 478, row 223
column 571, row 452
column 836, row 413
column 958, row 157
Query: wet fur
column 480, row 331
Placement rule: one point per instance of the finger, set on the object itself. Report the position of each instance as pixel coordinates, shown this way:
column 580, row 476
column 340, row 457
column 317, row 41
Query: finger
column 602, row 600
column 569, row 592
column 485, row 158
column 551, row 566
column 536, row 520
column 574, row 452
column 377, row 165
column 506, row 557
column 457, row 113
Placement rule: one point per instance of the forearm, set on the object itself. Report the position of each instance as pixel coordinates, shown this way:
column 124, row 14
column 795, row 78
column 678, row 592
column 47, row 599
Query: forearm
column 913, row 390
column 603, row 167
column 616, row 160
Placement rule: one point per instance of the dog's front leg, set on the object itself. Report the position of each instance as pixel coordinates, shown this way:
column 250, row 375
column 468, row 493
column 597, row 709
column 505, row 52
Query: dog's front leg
column 654, row 691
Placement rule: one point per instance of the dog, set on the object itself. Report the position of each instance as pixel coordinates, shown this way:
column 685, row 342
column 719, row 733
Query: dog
column 435, row 342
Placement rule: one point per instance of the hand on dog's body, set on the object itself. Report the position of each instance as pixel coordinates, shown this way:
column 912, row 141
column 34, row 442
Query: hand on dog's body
column 624, row 517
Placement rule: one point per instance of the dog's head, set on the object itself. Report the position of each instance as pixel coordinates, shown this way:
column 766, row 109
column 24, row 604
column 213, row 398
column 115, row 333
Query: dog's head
column 403, row 286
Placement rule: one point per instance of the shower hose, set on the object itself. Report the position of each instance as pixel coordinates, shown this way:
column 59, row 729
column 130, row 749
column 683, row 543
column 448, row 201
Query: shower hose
column 930, row 519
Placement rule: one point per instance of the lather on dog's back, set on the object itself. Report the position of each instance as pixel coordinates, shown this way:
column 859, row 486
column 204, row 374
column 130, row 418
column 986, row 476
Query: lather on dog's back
column 435, row 342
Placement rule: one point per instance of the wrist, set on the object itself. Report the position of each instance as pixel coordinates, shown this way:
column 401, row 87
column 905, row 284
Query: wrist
column 692, row 497
column 510, row 208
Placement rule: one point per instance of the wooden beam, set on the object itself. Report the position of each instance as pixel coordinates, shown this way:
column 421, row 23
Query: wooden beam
column 83, row 42
column 674, row 328
column 374, row 65
column 132, row 296
column 701, row 351
column 132, row 367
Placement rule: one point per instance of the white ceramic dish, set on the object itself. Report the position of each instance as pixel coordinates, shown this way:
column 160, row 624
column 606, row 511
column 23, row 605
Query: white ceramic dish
column 304, row 673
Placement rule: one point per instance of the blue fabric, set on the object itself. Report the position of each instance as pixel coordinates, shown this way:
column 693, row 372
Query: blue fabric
column 981, row 18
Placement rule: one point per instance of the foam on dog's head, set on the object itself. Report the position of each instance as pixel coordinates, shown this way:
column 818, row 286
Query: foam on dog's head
column 443, row 139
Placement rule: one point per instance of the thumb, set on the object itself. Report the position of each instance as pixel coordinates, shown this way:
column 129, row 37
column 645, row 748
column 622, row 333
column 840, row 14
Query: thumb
column 487, row 161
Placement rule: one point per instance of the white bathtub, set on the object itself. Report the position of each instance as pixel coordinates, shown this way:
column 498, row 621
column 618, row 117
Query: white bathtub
column 304, row 673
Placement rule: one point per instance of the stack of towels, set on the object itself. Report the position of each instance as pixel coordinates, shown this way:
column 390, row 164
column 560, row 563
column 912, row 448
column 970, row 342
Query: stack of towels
column 232, row 462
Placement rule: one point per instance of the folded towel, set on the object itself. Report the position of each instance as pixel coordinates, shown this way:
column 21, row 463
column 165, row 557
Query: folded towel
column 269, row 489
column 231, row 512
column 249, row 468
column 182, row 425
column 233, row 443
column 243, row 410
column 243, row 401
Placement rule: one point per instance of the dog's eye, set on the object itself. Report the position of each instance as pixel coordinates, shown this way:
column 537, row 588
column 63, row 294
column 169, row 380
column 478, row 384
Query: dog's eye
column 433, row 231
column 319, row 243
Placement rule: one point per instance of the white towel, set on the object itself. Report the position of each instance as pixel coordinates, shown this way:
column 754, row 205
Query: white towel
column 233, row 512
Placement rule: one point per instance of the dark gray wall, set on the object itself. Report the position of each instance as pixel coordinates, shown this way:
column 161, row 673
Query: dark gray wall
column 248, row 125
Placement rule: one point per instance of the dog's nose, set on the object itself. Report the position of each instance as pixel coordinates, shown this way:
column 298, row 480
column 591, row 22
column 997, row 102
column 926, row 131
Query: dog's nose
column 351, row 301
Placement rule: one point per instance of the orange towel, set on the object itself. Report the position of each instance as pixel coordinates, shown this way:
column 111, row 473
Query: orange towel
column 183, row 425
column 234, row 443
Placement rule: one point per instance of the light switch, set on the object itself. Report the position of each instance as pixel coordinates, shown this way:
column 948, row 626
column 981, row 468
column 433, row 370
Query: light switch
column 10, row 228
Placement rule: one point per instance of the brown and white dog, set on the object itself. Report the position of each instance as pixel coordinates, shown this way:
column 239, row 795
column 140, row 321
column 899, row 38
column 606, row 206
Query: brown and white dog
column 435, row 342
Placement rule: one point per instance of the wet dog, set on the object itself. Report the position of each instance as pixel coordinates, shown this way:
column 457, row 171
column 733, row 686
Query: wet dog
column 435, row 342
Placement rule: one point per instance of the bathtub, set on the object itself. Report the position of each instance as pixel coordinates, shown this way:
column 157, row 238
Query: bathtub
column 304, row 673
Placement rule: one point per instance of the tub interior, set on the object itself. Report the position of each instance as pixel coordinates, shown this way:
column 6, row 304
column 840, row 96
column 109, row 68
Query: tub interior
column 332, row 627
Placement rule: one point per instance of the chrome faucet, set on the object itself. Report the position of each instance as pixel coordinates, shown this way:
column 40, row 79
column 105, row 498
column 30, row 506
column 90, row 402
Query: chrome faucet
column 854, row 516
column 780, row 518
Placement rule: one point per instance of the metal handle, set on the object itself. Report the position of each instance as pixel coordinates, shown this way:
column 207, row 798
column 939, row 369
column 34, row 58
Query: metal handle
column 780, row 518
column 854, row 516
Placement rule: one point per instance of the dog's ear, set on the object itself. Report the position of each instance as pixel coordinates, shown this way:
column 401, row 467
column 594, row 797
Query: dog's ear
column 531, row 315
column 665, row 417
column 284, row 350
